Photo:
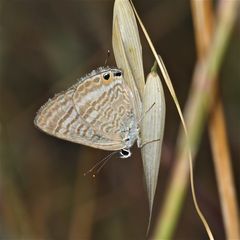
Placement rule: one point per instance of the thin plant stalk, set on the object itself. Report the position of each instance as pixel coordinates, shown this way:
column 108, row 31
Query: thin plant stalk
column 197, row 108
column 203, row 25
column 224, row 173
column 168, row 82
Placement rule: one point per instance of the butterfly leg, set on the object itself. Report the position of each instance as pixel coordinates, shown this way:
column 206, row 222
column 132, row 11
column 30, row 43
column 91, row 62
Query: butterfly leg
column 147, row 142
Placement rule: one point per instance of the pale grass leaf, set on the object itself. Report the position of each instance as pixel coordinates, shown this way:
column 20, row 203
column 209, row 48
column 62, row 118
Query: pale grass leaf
column 124, row 23
column 174, row 96
column 152, row 130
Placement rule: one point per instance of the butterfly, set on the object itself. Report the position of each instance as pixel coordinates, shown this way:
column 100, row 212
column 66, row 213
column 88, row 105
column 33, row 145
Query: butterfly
column 98, row 111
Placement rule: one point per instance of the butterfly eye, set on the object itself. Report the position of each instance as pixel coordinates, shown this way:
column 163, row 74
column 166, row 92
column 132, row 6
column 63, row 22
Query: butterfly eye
column 118, row 74
column 106, row 76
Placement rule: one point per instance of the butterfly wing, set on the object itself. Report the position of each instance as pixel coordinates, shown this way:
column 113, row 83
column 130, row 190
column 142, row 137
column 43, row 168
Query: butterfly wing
column 58, row 117
column 106, row 104
column 97, row 111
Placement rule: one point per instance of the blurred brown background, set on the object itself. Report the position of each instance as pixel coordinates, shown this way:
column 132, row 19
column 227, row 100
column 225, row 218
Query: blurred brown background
column 44, row 47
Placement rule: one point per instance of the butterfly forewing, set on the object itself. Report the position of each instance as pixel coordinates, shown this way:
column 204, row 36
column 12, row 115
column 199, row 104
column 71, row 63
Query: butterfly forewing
column 104, row 104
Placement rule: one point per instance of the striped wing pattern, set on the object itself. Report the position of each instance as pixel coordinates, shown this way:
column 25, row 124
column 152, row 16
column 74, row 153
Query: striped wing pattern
column 94, row 112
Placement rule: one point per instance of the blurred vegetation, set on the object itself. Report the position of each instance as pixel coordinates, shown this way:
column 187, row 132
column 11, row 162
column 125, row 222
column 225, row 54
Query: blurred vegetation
column 44, row 47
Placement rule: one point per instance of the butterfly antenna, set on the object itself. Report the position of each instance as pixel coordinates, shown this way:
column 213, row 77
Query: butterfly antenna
column 108, row 55
column 146, row 113
column 103, row 164
column 99, row 165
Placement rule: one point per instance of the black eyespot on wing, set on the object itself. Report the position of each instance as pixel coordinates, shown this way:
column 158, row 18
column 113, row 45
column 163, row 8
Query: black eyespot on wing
column 106, row 76
column 125, row 153
column 118, row 74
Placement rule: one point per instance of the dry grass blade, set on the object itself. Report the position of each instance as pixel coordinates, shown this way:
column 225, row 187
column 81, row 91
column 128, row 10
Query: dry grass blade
column 152, row 133
column 125, row 33
column 186, row 137
column 198, row 104
column 128, row 54
column 203, row 17
column 224, row 173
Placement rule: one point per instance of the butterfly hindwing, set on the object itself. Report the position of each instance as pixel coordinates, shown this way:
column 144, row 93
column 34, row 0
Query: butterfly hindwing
column 59, row 118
